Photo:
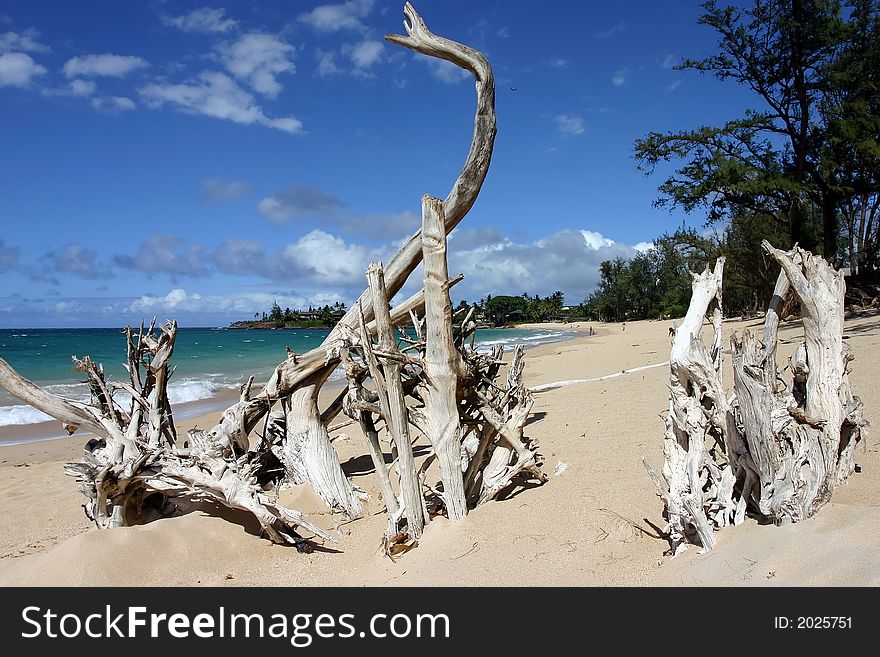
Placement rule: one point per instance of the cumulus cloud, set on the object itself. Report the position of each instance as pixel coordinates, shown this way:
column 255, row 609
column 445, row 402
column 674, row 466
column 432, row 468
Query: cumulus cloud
column 365, row 54
column 327, row 64
column 241, row 257
column 566, row 260
column 113, row 104
column 116, row 66
column 82, row 87
column 203, row 19
column 18, row 69
column 322, row 258
column 217, row 189
column 256, row 59
column 222, row 307
column 77, row 260
column 216, row 95
column 619, row 77
column 22, row 42
column 569, row 125
column 9, row 256
column 298, row 201
column 166, row 254
column 344, row 16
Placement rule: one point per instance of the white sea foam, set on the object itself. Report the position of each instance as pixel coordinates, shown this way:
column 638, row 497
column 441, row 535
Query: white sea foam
column 21, row 414
column 485, row 346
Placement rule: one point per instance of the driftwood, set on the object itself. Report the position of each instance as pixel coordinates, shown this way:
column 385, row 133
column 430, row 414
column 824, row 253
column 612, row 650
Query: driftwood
column 437, row 390
column 774, row 448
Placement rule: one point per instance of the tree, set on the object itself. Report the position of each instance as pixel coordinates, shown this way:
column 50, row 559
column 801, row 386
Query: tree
column 800, row 58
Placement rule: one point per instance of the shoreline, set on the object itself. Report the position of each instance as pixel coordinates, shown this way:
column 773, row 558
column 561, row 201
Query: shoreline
column 13, row 435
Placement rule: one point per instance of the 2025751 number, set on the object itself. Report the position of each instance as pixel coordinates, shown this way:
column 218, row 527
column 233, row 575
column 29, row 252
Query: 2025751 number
column 813, row 622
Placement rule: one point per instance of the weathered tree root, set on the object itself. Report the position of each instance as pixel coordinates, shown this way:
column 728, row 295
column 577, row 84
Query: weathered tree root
column 777, row 452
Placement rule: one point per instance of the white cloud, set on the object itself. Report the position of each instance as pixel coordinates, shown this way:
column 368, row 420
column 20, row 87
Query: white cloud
column 216, row 189
column 344, row 16
column 567, row 260
column 241, row 257
column 203, row 19
column 619, row 77
column 166, row 254
column 18, row 70
column 257, row 58
column 78, row 260
column 642, row 247
column 113, row 104
column 365, row 54
column 116, row 66
column 327, row 64
column 503, row 32
column 569, row 125
column 22, row 42
column 324, row 259
column 296, row 202
column 216, row 95
column 672, row 86
column 82, row 87
column 596, row 240
column 557, row 62
column 237, row 305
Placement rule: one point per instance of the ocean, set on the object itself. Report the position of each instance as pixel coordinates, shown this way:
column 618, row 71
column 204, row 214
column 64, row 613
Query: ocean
column 208, row 362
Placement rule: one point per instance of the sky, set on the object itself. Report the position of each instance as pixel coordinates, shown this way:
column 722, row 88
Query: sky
column 200, row 160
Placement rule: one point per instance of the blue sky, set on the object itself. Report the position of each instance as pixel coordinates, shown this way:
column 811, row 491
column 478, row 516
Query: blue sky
column 198, row 160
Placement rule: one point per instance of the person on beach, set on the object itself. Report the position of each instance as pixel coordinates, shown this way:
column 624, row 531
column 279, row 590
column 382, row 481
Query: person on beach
column 624, row 326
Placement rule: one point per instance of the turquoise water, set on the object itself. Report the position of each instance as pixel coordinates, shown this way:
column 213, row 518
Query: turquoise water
column 207, row 360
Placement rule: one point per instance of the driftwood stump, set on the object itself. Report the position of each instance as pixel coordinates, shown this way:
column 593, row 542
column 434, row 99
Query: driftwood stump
column 774, row 448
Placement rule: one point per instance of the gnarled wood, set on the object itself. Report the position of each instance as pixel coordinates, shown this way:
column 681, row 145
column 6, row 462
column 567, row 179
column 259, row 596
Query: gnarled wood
column 778, row 451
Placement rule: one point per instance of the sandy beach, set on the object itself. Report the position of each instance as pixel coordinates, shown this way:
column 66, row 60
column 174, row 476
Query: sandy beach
column 594, row 523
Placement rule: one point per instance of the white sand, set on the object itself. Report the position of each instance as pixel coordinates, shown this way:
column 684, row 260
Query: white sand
column 589, row 525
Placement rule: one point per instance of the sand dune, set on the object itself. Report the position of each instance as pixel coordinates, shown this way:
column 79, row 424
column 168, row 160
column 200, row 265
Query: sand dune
column 594, row 523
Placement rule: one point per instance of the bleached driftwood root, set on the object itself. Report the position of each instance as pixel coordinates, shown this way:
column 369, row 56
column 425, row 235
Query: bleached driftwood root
column 437, row 385
column 803, row 436
column 137, row 462
column 775, row 449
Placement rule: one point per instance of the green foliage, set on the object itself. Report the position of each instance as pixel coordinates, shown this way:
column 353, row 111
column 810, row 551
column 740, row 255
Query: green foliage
column 812, row 145
column 506, row 309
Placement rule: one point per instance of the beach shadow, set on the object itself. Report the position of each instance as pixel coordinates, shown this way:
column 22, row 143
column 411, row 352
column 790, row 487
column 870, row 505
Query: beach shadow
column 535, row 417
column 360, row 466
column 243, row 519
column 516, row 487
column 869, row 328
